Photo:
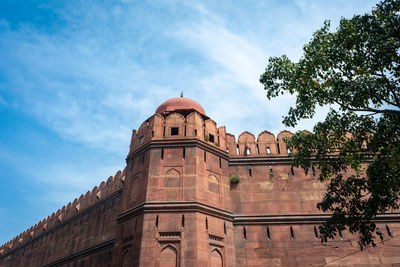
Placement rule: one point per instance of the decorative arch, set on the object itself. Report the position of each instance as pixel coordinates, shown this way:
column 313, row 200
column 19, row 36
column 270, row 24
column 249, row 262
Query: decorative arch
column 172, row 184
column 281, row 144
column 168, row 257
column 216, row 259
column 125, row 259
column 194, row 124
column 247, row 144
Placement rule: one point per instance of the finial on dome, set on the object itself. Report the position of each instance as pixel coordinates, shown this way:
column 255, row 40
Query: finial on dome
column 182, row 94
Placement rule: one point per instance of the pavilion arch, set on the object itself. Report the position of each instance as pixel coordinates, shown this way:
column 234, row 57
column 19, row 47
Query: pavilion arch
column 211, row 129
column 216, row 259
column 168, row 256
column 247, row 144
column 194, row 124
column 142, row 135
column 280, row 141
column 174, row 120
column 158, row 126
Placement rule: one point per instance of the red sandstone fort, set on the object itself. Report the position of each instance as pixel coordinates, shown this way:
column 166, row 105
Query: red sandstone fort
column 176, row 204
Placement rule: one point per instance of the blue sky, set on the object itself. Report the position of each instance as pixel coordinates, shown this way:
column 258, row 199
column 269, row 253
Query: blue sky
column 77, row 76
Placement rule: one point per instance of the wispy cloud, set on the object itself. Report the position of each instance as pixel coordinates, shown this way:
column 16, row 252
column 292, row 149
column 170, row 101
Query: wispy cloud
column 89, row 75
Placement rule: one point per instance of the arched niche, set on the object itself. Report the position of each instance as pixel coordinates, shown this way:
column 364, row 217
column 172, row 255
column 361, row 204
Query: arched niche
column 174, row 125
column 247, row 144
column 158, row 126
column 216, row 259
column 172, row 184
column 266, row 143
column 281, row 143
column 213, row 184
column 194, row 124
column 168, row 257
column 125, row 259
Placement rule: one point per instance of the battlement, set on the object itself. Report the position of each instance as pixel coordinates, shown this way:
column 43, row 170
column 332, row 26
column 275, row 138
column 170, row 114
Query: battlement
column 178, row 126
column 194, row 125
column 113, row 184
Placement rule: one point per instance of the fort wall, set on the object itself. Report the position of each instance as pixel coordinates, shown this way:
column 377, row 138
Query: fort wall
column 174, row 205
column 85, row 223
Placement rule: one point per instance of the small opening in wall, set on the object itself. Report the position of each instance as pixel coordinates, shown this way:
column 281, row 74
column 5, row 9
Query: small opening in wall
column 237, row 149
column 211, row 138
column 244, row 233
column 156, row 227
column 220, row 163
column 143, row 157
column 174, row 131
column 248, row 153
column 291, row 232
column 164, row 132
column 195, row 132
column 292, row 170
column 206, row 224
column 184, row 153
column 268, row 233
column 288, row 150
column 268, row 150
column 388, row 231
column 183, row 221
column 258, row 150
column 250, row 173
column 313, row 170
column 152, row 133
column 162, row 153
column 271, row 173
column 277, row 145
column 315, row 232
column 340, row 234
column 185, row 130
column 205, row 156
column 141, row 140
column 224, row 228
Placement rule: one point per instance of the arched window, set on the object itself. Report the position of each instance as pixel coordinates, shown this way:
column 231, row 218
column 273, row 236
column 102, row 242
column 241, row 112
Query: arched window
column 248, row 151
column 268, row 150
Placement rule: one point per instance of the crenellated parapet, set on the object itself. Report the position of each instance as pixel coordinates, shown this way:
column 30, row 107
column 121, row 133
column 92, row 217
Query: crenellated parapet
column 265, row 145
column 105, row 189
column 175, row 125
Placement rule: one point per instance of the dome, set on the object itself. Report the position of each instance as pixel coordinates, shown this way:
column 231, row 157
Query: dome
column 180, row 103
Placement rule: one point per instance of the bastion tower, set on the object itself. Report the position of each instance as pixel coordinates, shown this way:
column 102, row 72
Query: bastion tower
column 179, row 202
column 176, row 207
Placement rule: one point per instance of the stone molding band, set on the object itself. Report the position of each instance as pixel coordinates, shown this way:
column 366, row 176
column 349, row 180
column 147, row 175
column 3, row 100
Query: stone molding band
column 238, row 219
column 178, row 143
column 83, row 253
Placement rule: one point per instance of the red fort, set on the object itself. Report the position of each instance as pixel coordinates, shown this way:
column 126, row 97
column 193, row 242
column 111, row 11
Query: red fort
column 175, row 204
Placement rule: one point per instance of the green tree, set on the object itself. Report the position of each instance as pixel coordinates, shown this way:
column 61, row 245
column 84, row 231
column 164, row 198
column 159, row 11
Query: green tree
column 355, row 70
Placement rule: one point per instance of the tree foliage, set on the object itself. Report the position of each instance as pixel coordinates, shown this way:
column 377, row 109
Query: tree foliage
column 355, row 70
